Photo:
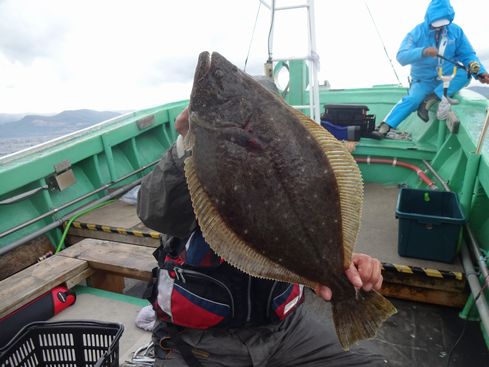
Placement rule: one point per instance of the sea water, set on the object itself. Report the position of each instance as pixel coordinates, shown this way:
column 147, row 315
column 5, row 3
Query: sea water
column 11, row 145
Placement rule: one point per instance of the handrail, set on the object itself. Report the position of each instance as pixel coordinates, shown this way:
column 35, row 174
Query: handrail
column 24, row 195
column 60, row 221
column 483, row 133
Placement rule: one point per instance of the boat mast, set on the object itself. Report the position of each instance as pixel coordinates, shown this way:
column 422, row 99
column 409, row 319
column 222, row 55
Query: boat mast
column 312, row 58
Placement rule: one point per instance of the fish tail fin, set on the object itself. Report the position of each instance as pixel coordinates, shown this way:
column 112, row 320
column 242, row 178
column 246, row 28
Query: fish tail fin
column 358, row 318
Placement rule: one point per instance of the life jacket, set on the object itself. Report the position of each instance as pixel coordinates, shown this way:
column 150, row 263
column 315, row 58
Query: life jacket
column 197, row 289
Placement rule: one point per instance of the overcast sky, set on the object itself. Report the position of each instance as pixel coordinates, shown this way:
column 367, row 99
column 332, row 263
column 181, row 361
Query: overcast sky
column 121, row 55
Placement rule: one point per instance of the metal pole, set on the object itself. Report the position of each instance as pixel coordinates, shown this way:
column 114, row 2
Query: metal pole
column 313, row 65
column 436, row 175
column 473, row 280
column 483, row 133
column 64, row 206
column 472, row 277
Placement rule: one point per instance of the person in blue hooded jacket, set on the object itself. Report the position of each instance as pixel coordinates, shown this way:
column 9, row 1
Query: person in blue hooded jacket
column 421, row 48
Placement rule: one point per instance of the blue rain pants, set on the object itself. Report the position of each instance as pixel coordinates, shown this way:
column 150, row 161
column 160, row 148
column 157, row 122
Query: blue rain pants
column 419, row 91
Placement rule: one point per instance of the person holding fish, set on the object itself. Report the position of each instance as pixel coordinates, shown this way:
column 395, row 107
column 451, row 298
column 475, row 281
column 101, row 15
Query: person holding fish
column 435, row 45
column 209, row 312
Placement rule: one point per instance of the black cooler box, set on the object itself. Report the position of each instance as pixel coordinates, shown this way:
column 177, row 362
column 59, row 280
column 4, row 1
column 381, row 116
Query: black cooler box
column 350, row 115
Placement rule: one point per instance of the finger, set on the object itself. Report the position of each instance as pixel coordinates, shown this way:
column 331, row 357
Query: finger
column 376, row 274
column 378, row 284
column 353, row 276
column 323, row 292
column 365, row 268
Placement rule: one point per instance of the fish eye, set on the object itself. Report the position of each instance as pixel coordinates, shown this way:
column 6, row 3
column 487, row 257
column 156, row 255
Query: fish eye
column 219, row 74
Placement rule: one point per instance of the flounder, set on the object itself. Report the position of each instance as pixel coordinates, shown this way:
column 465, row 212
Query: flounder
column 275, row 194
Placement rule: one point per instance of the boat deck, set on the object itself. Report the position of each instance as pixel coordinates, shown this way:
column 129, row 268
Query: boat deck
column 377, row 237
column 406, row 278
column 422, row 333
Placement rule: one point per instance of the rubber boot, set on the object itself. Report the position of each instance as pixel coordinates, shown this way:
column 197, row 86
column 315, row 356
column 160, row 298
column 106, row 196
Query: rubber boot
column 453, row 101
column 381, row 131
column 425, row 106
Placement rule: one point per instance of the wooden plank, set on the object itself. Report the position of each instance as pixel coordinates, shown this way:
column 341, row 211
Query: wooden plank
column 130, row 261
column 418, row 294
column 70, row 283
column 24, row 286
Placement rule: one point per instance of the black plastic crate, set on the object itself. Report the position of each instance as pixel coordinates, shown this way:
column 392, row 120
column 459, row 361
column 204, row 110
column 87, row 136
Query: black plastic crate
column 64, row 343
column 430, row 224
column 350, row 115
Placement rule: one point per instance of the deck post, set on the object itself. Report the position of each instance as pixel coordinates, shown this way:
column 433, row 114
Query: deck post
column 470, row 177
column 442, row 132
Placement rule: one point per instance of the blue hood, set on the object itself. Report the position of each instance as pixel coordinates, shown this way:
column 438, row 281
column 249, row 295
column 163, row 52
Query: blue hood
column 439, row 9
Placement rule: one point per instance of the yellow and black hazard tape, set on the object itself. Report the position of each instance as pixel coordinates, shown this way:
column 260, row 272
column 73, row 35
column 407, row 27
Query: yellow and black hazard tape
column 433, row 273
column 118, row 230
column 405, row 269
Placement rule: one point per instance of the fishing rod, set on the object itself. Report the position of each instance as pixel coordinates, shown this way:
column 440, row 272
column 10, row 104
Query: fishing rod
column 456, row 63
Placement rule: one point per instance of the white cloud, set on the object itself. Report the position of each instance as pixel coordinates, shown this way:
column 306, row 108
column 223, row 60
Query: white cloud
column 115, row 54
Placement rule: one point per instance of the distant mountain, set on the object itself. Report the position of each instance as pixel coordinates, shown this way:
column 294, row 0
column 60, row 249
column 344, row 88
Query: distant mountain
column 481, row 90
column 9, row 117
column 56, row 125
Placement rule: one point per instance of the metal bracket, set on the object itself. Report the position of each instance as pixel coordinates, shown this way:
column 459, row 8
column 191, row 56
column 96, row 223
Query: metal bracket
column 63, row 177
column 145, row 122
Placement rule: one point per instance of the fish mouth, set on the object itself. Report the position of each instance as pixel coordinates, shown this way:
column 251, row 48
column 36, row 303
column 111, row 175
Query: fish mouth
column 203, row 66
column 200, row 76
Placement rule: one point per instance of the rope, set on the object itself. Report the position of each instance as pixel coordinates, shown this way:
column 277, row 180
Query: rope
column 383, row 44
column 252, row 35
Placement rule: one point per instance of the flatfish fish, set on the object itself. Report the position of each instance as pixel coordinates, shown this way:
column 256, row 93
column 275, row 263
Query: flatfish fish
column 275, row 194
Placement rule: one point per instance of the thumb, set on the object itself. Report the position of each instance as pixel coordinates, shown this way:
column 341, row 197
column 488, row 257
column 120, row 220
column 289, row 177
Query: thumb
column 353, row 276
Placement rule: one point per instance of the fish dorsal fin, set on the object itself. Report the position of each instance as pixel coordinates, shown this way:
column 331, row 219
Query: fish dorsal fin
column 225, row 242
column 348, row 177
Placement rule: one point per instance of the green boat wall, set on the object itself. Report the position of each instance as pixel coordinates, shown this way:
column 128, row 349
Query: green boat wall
column 98, row 156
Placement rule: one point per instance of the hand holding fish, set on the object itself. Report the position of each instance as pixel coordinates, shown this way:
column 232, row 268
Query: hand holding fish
column 364, row 272
column 181, row 122
column 483, row 78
